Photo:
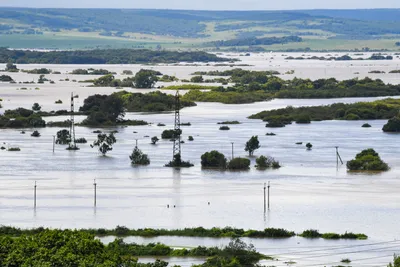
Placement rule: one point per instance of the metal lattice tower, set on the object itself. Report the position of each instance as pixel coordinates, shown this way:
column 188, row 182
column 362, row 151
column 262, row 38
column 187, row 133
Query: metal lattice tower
column 177, row 128
column 72, row 144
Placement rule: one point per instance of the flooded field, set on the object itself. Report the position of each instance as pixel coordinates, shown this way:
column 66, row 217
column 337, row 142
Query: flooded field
column 309, row 191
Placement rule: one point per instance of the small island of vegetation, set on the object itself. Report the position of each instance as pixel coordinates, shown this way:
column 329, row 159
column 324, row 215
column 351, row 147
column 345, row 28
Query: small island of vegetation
column 367, row 160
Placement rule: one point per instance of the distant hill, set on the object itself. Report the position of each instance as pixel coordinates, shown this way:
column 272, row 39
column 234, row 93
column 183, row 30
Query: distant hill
column 188, row 29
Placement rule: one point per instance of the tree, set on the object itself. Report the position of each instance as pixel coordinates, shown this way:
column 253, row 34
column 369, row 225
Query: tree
column 104, row 142
column 267, row 162
column 367, row 160
column 239, row 164
column 36, row 107
column 213, row 159
column 308, row 146
column 10, row 67
column 138, row 158
column 197, row 79
column 145, row 79
column 154, row 140
column 178, row 162
column 396, row 259
column 35, row 134
column 103, row 109
column 252, row 145
column 63, row 137
column 393, row 125
column 170, row 134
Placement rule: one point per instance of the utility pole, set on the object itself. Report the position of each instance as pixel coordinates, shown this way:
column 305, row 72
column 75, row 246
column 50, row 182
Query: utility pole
column 232, row 149
column 177, row 127
column 54, row 142
column 95, row 192
column 34, row 196
column 72, row 145
column 265, row 208
column 136, row 142
column 268, row 193
column 338, row 156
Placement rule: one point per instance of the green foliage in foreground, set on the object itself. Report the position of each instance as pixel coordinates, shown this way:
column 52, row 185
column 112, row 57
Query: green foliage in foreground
column 396, row 259
column 108, row 56
column 380, row 109
column 367, row 160
column 80, row 248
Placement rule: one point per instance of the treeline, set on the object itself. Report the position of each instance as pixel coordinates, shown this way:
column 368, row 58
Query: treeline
column 252, row 86
column 109, row 56
column 215, row 232
column 80, row 248
column 381, row 109
column 342, row 58
column 257, row 41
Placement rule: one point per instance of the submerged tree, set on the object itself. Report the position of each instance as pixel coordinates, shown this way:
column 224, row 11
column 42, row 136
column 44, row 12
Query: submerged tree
column 178, row 162
column 138, row 158
column 154, row 140
column 213, row 159
column 36, row 107
column 63, row 137
column 252, row 145
column 267, row 162
column 367, row 160
column 104, row 142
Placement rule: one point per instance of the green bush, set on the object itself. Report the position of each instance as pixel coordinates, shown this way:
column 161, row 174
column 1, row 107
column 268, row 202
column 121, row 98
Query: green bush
column 267, row 162
column 239, row 164
column 224, row 128
column 367, row 160
column 392, row 126
column 213, row 159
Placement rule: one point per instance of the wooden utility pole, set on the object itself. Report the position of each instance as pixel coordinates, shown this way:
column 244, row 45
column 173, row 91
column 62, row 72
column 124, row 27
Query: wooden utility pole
column 34, row 195
column 95, row 192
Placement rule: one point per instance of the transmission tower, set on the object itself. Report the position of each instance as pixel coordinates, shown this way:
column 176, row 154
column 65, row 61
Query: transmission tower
column 72, row 144
column 177, row 127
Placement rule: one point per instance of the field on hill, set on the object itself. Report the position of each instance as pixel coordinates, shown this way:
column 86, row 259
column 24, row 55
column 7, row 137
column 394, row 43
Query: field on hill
column 377, row 29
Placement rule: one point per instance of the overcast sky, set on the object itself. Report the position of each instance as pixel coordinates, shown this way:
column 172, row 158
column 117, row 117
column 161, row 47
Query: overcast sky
column 207, row 4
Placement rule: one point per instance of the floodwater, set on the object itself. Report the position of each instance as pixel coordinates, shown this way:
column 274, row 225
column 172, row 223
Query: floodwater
column 309, row 191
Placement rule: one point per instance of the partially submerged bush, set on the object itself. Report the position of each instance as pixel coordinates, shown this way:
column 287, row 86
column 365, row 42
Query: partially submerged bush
column 267, row 162
column 367, row 160
column 239, row 164
column 224, row 128
column 35, row 134
column 366, row 125
column 213, row 159
column 138, row 157
column 392, row 126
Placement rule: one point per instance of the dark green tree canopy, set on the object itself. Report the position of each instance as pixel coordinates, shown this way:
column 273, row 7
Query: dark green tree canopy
column 104, row 142
column 213, row 159
column 252, row 145
column 367, row 160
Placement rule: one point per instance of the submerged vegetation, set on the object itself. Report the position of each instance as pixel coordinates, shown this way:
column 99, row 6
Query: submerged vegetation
column 109, row 56
column 380, row 109
column 122, row 231
column 367, row 160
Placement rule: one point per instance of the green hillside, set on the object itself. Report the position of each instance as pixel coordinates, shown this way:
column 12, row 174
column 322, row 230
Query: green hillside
column 207, row 30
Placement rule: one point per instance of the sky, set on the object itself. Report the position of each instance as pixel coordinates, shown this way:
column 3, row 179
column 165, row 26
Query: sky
column 207, row 4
